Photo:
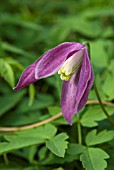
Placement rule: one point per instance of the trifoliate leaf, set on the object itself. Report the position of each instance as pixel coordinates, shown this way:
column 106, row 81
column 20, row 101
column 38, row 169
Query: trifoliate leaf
column 94, row 159
column 58, row 144
column 93, row 138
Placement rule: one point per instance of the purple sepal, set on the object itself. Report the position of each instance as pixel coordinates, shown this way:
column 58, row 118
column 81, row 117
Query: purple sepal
column 53, row 59
column 27, row 77
column 48, row 64
column 75, row 91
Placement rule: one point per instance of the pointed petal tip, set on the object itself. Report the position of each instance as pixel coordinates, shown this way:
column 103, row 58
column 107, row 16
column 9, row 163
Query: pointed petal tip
column 69, row 120
column 70, row 123
column 16, row 88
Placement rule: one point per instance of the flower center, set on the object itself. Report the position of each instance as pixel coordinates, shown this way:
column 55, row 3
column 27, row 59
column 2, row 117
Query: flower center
column 71, row 65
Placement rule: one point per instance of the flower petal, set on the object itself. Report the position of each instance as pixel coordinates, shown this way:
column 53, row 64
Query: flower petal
column 85, row 76
column 27, row 77
column 68, row 99
column 53, row 59
column 48, row 63
column 75, row 91
column 84, row 98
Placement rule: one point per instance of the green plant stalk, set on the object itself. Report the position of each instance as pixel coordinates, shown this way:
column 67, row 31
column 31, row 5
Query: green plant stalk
column 79, row 131
column 97, row 93
column 6, row 159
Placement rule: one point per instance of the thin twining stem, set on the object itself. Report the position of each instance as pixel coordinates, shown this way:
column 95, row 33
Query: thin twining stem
column 101, row 104
column 31, row 125
column 89, row 102
column 97, row 102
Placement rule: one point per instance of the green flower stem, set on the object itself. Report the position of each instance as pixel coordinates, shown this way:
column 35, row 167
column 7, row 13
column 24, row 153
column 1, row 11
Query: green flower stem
column 97, row 93
column 79, row 131
column 6, row 159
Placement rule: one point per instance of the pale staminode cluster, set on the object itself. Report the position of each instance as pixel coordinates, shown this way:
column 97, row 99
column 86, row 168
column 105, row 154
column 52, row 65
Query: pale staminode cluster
column 71, row 65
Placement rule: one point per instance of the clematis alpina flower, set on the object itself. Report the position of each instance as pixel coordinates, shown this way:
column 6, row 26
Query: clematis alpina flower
column 71, row 61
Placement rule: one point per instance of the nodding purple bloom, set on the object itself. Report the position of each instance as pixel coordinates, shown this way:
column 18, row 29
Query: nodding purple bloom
column 71, row 61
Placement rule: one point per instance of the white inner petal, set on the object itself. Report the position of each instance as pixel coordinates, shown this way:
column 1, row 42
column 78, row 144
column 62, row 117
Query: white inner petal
column 71, row 65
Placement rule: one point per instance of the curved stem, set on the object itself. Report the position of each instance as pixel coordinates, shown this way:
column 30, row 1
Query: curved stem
column 32, row 125
column 97, row 102
column 10, row 129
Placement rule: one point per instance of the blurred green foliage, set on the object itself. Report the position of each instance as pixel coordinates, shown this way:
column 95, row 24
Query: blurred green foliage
column 27, row 29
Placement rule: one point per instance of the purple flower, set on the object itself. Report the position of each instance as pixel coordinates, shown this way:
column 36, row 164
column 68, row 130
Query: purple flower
column 72, row 62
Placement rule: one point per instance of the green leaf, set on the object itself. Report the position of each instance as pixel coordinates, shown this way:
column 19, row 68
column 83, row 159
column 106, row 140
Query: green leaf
column 6, row 72
column 17, row 21
column 14, row 49
column 54, row 110
column 94, row 114
column 94, row 159
column 53, row 159
column 108, row 85
column 41, row 101
column 108, row 32
column 15, row 63
column 71, row 154
column 27, row 138
column 75, row 149
column 31, row 153
column 104, row 12
column 69, row 24
column 93, row 138
column 58, row 144
column 17, row 142
column 99, row 55
column 99, row 82
column 42, row 153
column 10, row 100
column 44, row 132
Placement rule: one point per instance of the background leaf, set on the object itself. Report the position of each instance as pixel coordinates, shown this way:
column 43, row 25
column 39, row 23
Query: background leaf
column 92, row 138
column 58, row 144
column 9, row 101
column 7, row 73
